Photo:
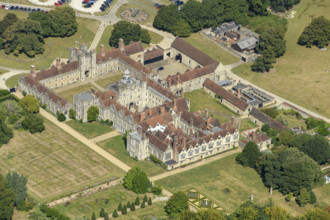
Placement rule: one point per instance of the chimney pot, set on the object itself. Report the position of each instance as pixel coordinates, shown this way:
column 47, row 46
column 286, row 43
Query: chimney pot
column 121, row 44
column 33, row 70
column 102, row 50
column 239, row 93
column 58, row 63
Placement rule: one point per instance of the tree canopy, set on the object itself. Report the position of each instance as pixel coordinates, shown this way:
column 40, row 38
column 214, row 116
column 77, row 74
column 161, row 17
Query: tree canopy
column 250, row 155
column 177, row 203
column 316, row 34
column 92, row 113
column 60, row 22
column 18, row 183
column 136, row 180
column 24, row 36
column 5, row 133
column 282, row 5
column 128, row 32
column 33, row 123
column 7, row 199
column 30, row 104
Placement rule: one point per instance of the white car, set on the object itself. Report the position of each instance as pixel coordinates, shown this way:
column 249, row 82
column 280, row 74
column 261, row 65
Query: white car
column 7, row 7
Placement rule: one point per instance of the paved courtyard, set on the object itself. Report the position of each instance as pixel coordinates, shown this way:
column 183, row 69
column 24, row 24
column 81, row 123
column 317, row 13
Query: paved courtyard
column 171, row 67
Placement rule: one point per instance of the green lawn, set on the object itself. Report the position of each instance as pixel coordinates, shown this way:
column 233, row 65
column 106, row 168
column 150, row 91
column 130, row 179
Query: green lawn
column 68, row 94
column 13, row 81
column 200, row 100
column 292, row 120
column 305, row 68
column 156, row 210
column 104, row 82
column 58, row 46
column 247, row 124
column 3, row 71
column 213, row 178
column 55, row 163
column 89, row 130
column 210, row 48
column 85, row 206
column 116, row 147
column 105, row 39
column 155, row 38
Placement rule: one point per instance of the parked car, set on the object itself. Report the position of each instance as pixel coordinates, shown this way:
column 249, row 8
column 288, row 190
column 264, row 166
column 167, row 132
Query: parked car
column 29, row 10
column 11, row 8
column 33, row 10
column 156, row 4
column 160, row 68
column 7, row 7
column 16, row 8
column 159, row 7
column 3, row 6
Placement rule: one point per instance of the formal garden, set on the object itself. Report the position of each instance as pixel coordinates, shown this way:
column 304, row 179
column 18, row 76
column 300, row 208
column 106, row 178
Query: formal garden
column 199, row 201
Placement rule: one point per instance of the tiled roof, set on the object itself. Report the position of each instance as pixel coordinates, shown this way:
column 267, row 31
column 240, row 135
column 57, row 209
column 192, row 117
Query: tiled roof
column 193, row 52
column 258, row 138
column 164, row 91
column 29, row 80
column 209, row 84
column 265, row 119
column 193, row 74
column 133, row 48
column 54, row 71
column 153, row 53
column 157, row 142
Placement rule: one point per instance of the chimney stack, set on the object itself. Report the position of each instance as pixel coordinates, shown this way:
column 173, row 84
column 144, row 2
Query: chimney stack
column 33, row 70
column 239, row 93
column 162, row 110
column 181, row 92
column 139, row 130
column 206, row 113
column 137, row 108
column 191, row 122
column 232, row 121
column 102, row 50
column 121, row 44
column 58, row 63
column 184, row 141
column 254, row 135
column 142, row 116
column 169, row 82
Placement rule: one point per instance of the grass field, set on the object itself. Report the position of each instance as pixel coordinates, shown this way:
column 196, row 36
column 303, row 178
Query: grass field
column 59, row 46
column 247, row 124
column 200, row 100
column 85, row 206
column 213, row 178
column 308, row 69
column 54, row 162
column 89, row 130
column 3, row 71
column 116, row 147
column 210, row 48
column 13, row 81
column 68, row 94
column 104, row 82
column 292, row 120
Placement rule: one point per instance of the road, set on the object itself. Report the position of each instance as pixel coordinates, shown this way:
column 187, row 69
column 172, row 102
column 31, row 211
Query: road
column 11, row 72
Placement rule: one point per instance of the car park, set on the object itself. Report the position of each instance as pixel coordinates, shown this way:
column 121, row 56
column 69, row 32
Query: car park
column 7, row 7
column 33, row 10
column 11, row 8
column 3, row 6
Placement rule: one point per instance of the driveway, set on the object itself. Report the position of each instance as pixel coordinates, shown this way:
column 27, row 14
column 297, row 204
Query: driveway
column 11, row 72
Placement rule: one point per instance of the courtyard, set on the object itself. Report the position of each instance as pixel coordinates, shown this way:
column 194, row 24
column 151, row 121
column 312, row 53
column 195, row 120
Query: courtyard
column 171, row 67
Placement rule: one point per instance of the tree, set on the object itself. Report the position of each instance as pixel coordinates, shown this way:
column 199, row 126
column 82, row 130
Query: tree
column 30, row 104
column 106, row 216
column 316, row 214
column 33, row 123
column 115, row 213
column 18, row 183
column 272, row 173
column 323, row 129
column 247, row 213
column 60, row 22
column 124, row 210
column 137, row 201
column 265, row 128
column 136, row 180
column 210, row 214
column 93, row 216
column 285, row 137
column 143, row 205
column 317, row 33
column 7, row 199
column 92, row 113
column 281, row 6
column 303, row 198
column 128, row 204
column 72, row 113
column 102, row 212
column 128, row 32
column 166, row 17
column 5, row 133
column 24, row 36
column 145, row 198
column 250, row 155
column 289, row 197
column 61, row 117
column 156, row 189
column 120, row 207
column 177, row 203
column 181, row 28
column 317, row 147
column 313, row 197
column 145, row 36
column 275, row 212
column 191, row 13
column 149, row 201
column 132, row 207
column 7, row 21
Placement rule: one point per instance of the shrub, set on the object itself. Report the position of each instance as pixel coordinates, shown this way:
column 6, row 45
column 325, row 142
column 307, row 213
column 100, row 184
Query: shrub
column 120, row 207
column 145, row 198
column 72, row 113
column 157, row 161
column 102, row 213
column 124, row 210
column 289, row 197
column 143, row 205
column 61, row 117
column 149, row 201
column 115, row 214
column 136, row 180
column 13, row 118
column 157, row 190
column 132, row 207
column 33, row 123
column 312, row 197
column 106, row 216
column 4, row 92
column 303, row 198
column 128, row 204
column 93, row 216
column 137, row 201
column 24, row 93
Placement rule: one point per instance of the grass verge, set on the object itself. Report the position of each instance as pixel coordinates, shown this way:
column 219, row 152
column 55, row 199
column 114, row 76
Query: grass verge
column 89, row 130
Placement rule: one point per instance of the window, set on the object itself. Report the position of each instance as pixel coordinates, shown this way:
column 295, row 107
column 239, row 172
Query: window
column 235, row 136
column 228, row 139
column 203, row 148
column 197, row 151
column 210, row 145
column 218, row 143
column 183, row 155
column 190, row 153
column 168, row 156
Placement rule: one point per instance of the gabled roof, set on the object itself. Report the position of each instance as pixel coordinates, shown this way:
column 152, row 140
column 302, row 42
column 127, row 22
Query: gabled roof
column 193, row 52
column 209, row 84
column 190, row 75
column 133, row 48
column 265, row 119
column 153, row 53
column 54, row 71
